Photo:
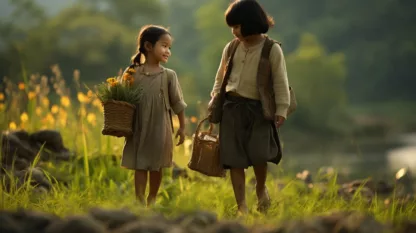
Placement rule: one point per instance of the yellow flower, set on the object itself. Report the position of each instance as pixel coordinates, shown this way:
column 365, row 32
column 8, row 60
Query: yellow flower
column 194, row 119
column 82, row 112
column 38, row 111
column 12, row 126
column 82, row 98
column 31, row 95
column 127, row 76
column 113, row 84
column 50, row 119
column 2, row 107
column 97, row 103
column 111, row 80
column 90, row 94
column 21, row 86
column 91, row 118
column 1, row 96
column 24, row 117
column 65, row 101
column 45, row 102
column 55, row 109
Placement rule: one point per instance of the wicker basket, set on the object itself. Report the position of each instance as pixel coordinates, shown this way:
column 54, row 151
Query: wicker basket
column 118, row 118
column 205, row 153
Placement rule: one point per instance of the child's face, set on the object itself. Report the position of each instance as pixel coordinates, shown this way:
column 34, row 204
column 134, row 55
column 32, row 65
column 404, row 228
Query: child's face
column 161, row 50
column 236, row 30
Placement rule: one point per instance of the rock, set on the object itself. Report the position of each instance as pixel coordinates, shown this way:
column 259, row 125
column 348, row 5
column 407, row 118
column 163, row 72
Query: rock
column 305, row 176
column 148, row 227
column 179, row 172
column 404, row 182
column 9, row 224
column 112, row 219
column 76, row 224
column 33, row 222
column 196, row 220
column 358, row 222
column 37, row 176
column 227, row 227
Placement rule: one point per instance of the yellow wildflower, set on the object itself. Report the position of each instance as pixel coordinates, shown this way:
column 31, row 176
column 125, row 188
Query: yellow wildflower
column 50, row 119
column 21, row 86
column 82, row 98
column 111, row 80
column 31, row 95
column 12, row 126
column 82, row 112
column 65, row 101
column 113, row 84
column 38, row 111
column 24, row 117
column 194, row 119
column 45, row 102
column 1, row 96
column 97, row 103
column 55, row 109
column 90, row 94
column 91, row 118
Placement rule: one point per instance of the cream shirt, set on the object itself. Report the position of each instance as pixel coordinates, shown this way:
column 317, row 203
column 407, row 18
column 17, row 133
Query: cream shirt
column 244, row 74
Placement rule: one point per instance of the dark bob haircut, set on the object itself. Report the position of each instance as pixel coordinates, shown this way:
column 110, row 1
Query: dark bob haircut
column 250, row 15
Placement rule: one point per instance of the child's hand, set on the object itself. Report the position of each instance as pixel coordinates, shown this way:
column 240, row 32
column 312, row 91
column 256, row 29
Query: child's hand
column 279, row 121
column 181, row 135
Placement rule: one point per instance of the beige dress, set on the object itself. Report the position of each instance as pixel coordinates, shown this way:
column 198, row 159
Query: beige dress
column 151, row 145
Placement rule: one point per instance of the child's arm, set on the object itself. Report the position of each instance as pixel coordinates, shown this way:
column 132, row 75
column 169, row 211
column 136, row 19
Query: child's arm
column 220, row 72
column 280, row 81
column 178, row 106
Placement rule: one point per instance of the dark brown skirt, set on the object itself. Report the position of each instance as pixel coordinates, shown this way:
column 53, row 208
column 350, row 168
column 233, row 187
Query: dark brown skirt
column 246, row 137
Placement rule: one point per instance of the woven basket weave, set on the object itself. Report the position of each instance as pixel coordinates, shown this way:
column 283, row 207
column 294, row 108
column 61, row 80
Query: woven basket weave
column 118, row 118
column 205, row 153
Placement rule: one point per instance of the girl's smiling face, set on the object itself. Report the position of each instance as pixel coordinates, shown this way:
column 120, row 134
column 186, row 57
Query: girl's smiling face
column 161, row 50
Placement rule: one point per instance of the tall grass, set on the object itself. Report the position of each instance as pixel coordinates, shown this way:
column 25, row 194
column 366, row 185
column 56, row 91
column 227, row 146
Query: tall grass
column 94, row 179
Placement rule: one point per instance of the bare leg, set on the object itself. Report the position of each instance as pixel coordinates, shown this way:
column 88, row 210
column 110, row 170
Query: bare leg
column 261, row 189
column 140, row 182
column 155, row 180
column 238, row 180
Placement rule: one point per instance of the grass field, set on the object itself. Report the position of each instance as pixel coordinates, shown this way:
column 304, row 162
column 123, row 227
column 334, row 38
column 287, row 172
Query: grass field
column 94, row 179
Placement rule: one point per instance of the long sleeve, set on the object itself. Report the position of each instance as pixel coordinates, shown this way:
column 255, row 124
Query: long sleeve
column 175, row 95
column 220, row 72
column 280, row 81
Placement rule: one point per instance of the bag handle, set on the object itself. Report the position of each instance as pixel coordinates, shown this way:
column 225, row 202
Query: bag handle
column 211, row 127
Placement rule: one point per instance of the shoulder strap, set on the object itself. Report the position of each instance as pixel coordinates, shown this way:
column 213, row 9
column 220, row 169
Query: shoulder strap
column 232, row 47
column 268, row 44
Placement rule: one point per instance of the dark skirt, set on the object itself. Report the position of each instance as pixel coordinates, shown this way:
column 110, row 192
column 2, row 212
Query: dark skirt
column 246, row 137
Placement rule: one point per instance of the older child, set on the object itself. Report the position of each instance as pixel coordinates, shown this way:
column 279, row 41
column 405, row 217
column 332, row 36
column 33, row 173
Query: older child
column 247, row 137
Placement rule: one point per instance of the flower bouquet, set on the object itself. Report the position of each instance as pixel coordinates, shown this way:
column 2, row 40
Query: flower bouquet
column 119, row 97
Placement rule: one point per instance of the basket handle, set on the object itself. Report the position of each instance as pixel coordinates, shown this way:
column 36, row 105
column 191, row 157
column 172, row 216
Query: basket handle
column 211, row 126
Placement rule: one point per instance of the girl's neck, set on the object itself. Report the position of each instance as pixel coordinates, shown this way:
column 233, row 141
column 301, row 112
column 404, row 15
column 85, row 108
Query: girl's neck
column 252, row 40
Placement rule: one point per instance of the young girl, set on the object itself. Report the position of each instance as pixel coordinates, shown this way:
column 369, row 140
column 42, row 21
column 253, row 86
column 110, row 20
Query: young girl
column 150, row 147
column 247, row 138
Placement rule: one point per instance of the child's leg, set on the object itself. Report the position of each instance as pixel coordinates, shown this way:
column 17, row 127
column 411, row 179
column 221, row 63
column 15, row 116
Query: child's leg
column 238, row 179
column 261, row 189
column 155, row 180
column 140, row 182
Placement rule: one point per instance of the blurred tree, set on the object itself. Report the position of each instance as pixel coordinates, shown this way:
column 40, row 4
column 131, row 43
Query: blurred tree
column 214, row 34
column 318, row 79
